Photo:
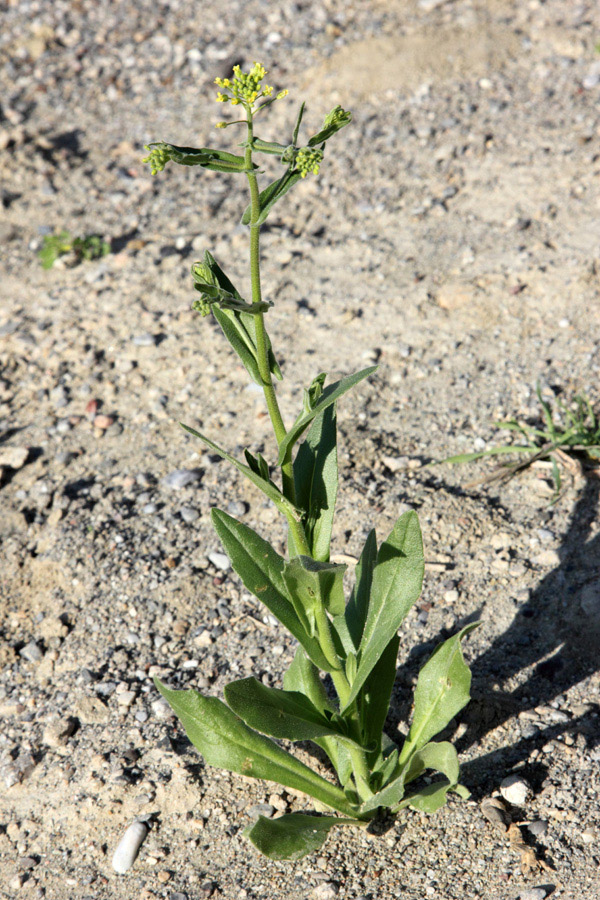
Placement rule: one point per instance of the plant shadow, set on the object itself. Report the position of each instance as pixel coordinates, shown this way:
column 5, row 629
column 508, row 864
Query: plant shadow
column 554, row 638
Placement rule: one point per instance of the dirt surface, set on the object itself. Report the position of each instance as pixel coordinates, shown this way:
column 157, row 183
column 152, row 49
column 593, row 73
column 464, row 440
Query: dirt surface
column 453, row 238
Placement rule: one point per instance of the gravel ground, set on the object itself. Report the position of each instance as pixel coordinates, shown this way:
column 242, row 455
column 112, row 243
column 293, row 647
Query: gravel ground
column 453, row 238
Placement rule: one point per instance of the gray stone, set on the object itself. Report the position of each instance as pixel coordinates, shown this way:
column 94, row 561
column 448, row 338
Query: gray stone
column 189, row 514
column 537, row 828
column 31, row 652
column 180, row 478
column 536, row 893
column 145, row 339
column 261, row 809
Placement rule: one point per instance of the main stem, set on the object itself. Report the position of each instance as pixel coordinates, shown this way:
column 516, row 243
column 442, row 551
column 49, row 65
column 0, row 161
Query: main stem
column 287, row 474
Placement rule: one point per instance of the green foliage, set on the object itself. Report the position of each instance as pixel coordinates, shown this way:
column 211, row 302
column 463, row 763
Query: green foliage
column 354, row 641
column 564, row 436
column 56, row 245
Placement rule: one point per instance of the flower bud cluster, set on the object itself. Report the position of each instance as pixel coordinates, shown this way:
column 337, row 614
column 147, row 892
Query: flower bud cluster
column 158, row 157
column 308, row 160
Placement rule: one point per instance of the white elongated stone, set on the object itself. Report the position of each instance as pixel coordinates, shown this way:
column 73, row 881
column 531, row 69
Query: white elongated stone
column 129, row 846
column 515, row 789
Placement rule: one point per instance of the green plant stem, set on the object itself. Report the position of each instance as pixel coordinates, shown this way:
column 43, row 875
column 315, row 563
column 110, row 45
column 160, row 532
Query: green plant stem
column 287, row 474
column 361, row 771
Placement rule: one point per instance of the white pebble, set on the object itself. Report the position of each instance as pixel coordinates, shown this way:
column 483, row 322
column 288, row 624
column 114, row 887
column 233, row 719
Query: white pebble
column 129, row 846
column 220, row 561
column 515, row 790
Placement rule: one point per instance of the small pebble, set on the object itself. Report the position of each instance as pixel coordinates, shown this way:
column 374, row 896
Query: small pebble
column 13, row 457
column 261, row 809
column 145, row 340
column 189, row 514
column 31, row 652
column 180, row 478
column 325, row 891
column 538, row 828
column 537, row 893
column 515, row 790
column 129, row 847
column 103, row 422
column 237, row 508
column 220, row 561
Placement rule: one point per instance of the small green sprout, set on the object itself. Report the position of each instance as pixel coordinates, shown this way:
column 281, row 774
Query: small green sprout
column 567, row 441
column 56, row 245
column 354, row 641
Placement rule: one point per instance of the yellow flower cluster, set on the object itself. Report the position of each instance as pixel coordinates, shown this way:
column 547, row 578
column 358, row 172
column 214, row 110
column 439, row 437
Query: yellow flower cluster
column 308, row 160
column 246, row 87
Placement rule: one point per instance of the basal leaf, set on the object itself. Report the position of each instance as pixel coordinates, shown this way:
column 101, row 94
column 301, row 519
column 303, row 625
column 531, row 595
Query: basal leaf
column 396, row 585
column 225, row 741
column 292, row 836
column 316, row 482
column 442, row 690
column 286, row 714
column 441, row 757
column 330, row 394
column 261, row 569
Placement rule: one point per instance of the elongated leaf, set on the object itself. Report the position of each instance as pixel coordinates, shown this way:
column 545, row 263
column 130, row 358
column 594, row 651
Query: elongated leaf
column 281, row 714
column 330, row 394
column 216, row 160
column 224, row 741
column 261, row 569
column 358, row 604
column 297, row 125
column 397, row 582
column 494, row 451
column 267, row 487
column 292, row 836
column 316, row 482
column 239, row 327
column 303, row 676
column 441, row 692
column 374, row 698
column 268, row 147
column 271, row 194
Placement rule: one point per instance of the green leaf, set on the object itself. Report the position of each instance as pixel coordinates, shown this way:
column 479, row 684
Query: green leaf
column 261, row 570
column 330, row 394
column 358, row 604
column 316, row 482
column 271, row 147
column 216, row 160
column 303, row 676
column 271, row 194
column 292, row 836
column 336, row 119
column 374, row 698
column 312, row 585
column 441, row 692
column 225, row 741
column 396, row 585
column 297, row 125
column 239, row 327
column 267, row 487
column 286, row 714
column 441, row 757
